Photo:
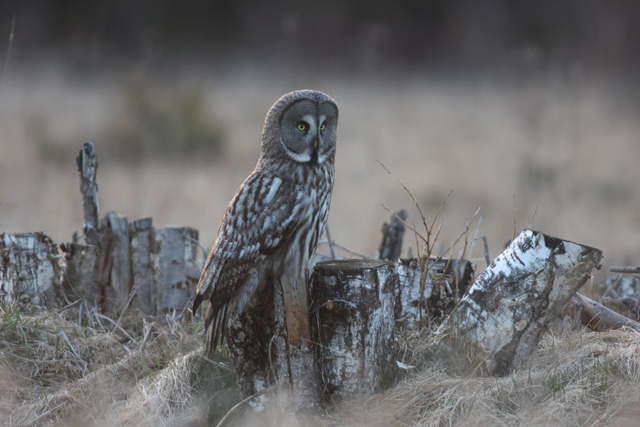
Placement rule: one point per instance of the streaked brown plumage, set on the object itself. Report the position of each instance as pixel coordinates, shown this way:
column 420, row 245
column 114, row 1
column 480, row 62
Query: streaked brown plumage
column 272, row 224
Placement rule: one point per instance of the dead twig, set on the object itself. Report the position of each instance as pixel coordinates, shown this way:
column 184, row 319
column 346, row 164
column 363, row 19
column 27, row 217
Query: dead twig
column 486, row 250
column 329, row 241
column 102, row 316
column 632, row 270
column 73, row 350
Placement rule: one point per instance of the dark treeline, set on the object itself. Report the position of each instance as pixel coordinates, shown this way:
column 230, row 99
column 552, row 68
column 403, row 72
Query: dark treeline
column 605, row 32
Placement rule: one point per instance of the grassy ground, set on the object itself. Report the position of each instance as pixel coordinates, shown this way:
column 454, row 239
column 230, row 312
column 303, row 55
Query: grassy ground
column 65, row 369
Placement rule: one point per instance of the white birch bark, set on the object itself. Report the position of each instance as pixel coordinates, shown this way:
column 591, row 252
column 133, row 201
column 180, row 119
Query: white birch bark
column 30, row 270
column 439, row 294
column 352, row 317
column 513, row 302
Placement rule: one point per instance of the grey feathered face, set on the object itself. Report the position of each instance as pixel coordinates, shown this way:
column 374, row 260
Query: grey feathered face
column 308, row 130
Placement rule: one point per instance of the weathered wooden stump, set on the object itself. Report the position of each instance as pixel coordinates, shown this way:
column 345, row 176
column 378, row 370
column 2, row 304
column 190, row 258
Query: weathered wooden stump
column 262, row 358
column 81, row 278
column 142, row 262
column 392, row 235
column 353, row 323
column 512, row 303
column 81, row 271
column 177, row 268
column 446, row 282
column 30, row 270
column 115, row 263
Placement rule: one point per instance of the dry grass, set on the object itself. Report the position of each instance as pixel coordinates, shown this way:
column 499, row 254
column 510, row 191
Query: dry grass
column 577, row 379
column 94, row 379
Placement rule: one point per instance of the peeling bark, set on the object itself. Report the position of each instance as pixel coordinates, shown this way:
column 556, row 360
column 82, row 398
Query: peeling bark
column 30, row 270
column 440, row 296
column 513, row 302
column 353, row 324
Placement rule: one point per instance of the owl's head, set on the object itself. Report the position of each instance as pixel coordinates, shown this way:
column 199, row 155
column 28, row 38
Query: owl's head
column 302, row 126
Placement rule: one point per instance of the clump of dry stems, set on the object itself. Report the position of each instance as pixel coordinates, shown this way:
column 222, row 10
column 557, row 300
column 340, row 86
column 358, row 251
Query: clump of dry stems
column 61, row 368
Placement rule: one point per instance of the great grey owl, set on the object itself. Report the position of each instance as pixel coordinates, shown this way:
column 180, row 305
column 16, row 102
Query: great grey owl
column 271, row 227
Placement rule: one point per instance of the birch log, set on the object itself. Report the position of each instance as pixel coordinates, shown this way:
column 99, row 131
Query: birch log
column 513, row 302
column 446, row 282
column 353, row 323
column 598, row 317
column 29, row 270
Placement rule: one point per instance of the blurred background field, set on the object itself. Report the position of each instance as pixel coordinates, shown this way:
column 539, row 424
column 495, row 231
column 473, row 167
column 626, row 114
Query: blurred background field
column 491, row 99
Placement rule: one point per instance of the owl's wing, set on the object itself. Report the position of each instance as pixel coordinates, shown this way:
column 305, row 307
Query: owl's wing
column 258, row 219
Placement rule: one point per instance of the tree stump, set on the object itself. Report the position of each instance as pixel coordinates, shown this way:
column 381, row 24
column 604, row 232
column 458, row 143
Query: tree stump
column 262, row 358
column 88, row 167
column 115, row 263
column 142, row 263
column 30, row 270
column 82, row 261
column 177, row 269
column 513, row 302
column 392, row 235
column 81, row 270
column 352, row 320
column 446, row 282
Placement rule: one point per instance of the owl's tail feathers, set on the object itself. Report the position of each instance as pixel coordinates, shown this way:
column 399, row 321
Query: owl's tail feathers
column 196, row 303
column 215, row 331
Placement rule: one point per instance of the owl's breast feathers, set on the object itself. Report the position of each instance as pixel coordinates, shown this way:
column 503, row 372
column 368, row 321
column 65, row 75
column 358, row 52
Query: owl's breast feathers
column 268, row 212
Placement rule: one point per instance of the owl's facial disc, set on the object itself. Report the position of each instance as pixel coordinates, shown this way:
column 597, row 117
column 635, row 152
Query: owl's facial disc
column 306, row 131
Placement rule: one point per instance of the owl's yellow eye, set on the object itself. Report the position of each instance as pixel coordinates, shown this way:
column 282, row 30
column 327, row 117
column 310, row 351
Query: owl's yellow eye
column 302, row 126
column 322, row 126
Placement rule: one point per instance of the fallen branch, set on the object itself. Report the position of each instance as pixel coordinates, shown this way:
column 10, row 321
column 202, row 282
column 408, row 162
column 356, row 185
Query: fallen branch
column 600, row 318
column 631, row 270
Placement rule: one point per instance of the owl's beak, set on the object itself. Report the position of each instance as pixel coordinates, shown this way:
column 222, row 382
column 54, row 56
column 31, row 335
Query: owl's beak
column 315, row 144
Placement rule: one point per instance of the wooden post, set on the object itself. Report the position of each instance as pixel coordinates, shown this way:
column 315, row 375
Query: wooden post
column 440, row 296
column 512, row 303
column 142, row 264
column 353, row 323
column 29, row 270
